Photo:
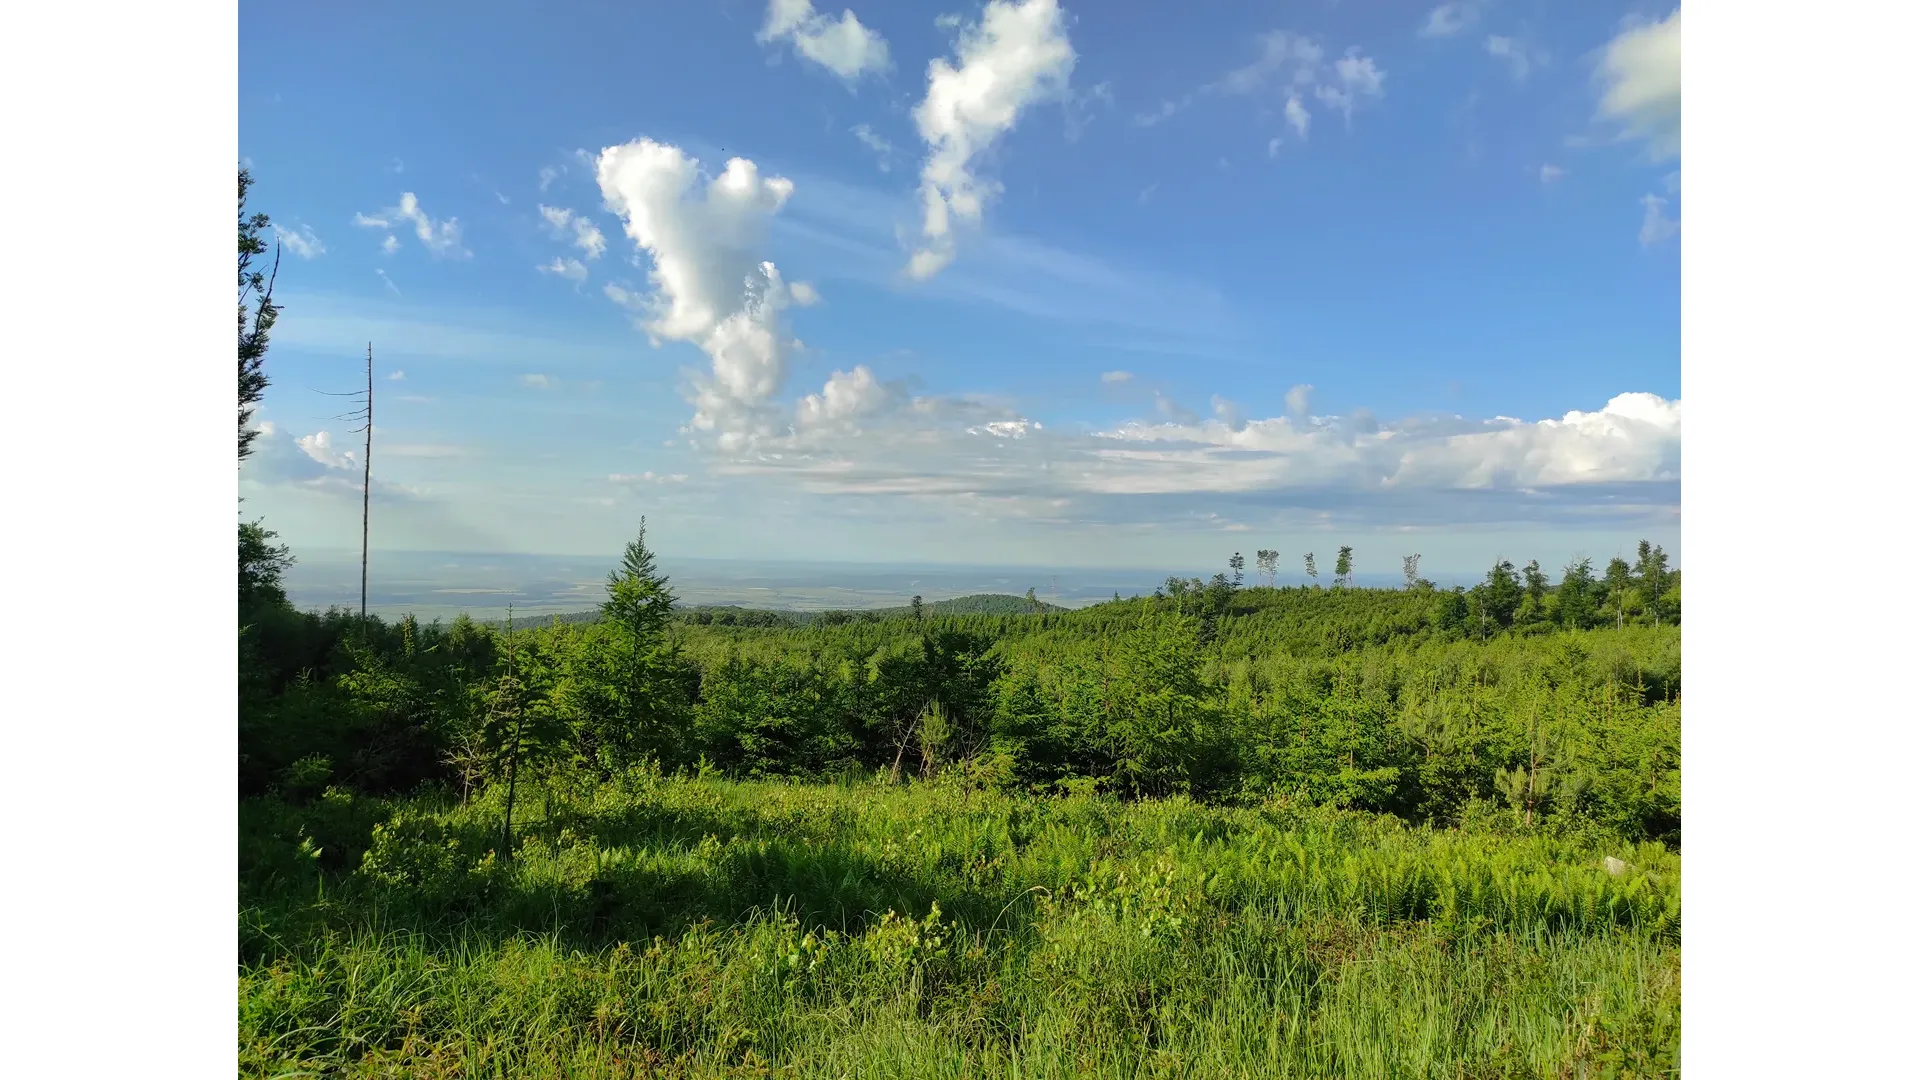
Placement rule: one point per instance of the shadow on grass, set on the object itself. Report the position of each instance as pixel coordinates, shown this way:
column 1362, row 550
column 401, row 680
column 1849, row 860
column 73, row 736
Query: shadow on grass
column 595, row 880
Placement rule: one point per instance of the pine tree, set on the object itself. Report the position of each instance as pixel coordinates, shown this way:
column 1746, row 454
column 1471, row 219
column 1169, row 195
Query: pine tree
column 629, row 693
column 1574, row 606
column 1535, row 607
column 1343, row 567
column 1500, row 595
column 1651, row 570
column 1238, row 564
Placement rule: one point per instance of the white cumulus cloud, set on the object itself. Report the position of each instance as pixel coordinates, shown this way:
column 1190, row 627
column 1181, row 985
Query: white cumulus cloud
column 1111, row 377
column 1641, row 72
column 846, row 399
column 319, row 446
column 841, row 45
column 712, row 284
column 1017, row 55
column 1623, row 459
column 301, row 241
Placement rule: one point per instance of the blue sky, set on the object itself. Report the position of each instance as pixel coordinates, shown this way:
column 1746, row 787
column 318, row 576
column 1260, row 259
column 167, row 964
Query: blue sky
column 1104, row 284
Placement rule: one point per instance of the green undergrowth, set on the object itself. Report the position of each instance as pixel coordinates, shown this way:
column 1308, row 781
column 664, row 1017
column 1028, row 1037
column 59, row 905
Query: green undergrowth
column 705, row 928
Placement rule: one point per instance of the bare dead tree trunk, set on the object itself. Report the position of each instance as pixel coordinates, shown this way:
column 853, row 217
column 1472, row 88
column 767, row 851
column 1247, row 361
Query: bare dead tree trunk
column 901, row 754
column 513, row 752
column 366, row 489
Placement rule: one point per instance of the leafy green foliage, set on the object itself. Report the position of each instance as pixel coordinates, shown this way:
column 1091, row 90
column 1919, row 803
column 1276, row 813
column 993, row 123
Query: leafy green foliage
column 255, row 285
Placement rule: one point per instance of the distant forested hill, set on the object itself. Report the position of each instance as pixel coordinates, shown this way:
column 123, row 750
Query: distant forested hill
column 735, row 615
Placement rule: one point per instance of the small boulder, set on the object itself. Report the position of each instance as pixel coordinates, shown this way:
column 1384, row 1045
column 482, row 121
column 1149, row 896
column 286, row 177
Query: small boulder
column 1615, row 866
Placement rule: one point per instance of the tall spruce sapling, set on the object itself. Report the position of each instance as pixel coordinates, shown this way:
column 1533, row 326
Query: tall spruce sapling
column 1573, row 600
column 1238, row 564
column 1499, row 597
column 1535, row 606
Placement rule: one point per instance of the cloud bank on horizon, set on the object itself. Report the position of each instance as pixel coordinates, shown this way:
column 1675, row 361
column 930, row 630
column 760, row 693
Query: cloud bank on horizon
column 732, row 256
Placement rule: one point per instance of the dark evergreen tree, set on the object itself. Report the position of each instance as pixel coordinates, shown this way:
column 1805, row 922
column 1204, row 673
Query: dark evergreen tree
column 1500, row 596
column 1650, row 570
column 628, row 697
column 1534, row 608
column 1576, row 601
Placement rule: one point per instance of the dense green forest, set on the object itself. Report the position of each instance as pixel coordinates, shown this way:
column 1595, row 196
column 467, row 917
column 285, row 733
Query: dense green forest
column 1226, row 830
column 1413, row 702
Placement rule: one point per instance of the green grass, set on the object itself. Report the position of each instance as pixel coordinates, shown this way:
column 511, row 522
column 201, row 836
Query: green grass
column 701, row 928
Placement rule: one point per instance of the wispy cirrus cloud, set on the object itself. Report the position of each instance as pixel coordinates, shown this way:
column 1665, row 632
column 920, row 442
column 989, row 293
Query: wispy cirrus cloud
column 564, row 224
column 1290, row 71
column 568, row 269
column 440, row 237
column 1521, row 56
column 849, row 230
column 1451, row 18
